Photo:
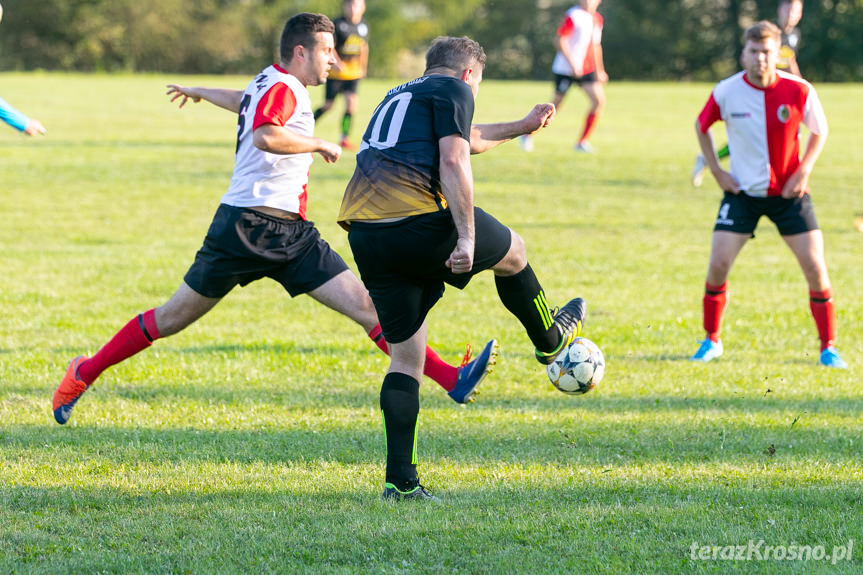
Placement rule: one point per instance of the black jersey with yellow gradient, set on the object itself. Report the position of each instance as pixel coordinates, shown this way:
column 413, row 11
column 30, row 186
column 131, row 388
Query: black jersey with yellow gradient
column 351, row 39
column 398, row 163
column 788, row 49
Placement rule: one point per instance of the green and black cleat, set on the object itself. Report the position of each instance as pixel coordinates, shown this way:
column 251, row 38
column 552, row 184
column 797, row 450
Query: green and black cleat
column 569, row 321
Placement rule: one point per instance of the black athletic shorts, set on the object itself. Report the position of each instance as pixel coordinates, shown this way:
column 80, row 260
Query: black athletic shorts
column 740, row 213
column 336, row 87
column 563, row 83
column 243, row 245
column 403, row 264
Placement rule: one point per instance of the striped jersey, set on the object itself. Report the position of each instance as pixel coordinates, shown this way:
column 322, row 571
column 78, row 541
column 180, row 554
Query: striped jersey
column 398, row 163
column 261, row 178
column 763, row 126
column 582, row 30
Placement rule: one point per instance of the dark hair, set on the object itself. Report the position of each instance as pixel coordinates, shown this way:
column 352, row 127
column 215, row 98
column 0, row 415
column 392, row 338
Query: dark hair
column 760, row 31
column 300, row 30
column 454, row 53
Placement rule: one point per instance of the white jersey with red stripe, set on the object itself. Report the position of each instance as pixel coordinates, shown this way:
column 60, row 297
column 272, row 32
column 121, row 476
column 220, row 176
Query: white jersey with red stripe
column 261, row 178
column 763, row 126
column 582, row 30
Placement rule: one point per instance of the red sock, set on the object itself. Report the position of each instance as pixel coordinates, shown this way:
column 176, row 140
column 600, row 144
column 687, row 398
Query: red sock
column 714, row 303
column 589, row 121
column 438, row 370
column 135, row 336
column 821, row 304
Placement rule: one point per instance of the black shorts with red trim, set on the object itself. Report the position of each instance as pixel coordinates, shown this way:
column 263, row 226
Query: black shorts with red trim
column 243, row 245
column 740, row 213
column 563, row 83
column 403, row 264
column 336, row 87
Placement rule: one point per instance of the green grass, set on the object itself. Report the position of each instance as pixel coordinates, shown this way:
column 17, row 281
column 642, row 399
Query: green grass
column 251, row 442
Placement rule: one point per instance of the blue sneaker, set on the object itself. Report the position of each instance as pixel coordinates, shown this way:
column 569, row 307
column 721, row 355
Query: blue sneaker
column 830, row 358
column 471, row 373
column 708, row 351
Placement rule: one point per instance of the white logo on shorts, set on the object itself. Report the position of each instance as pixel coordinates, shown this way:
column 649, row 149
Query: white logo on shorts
column 722, row 219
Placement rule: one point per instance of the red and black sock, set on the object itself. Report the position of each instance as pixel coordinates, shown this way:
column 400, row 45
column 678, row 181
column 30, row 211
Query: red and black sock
column 821, row 304
column 714, row 303
column 135, row 336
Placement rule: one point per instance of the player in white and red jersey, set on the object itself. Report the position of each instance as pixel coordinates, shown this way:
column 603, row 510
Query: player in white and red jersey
column 579, row 61
column 260, row 228
column 762, row 109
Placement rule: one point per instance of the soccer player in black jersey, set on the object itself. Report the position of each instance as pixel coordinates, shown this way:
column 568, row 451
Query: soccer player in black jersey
column 413, row 227
column 352, row 49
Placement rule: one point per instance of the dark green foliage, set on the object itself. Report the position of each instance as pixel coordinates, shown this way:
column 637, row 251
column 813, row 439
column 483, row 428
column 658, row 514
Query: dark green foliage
column 683, row 39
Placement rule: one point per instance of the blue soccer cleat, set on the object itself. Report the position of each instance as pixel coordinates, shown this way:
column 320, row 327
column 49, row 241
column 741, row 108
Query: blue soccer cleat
column 830, row 358
column 471, row 373
column 708, row 351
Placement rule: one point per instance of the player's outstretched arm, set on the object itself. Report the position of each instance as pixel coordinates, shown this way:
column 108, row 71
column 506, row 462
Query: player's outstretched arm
column 484, row 137
column 19, row 121
column 280, row 140
column 725, row 180
column 221, row 97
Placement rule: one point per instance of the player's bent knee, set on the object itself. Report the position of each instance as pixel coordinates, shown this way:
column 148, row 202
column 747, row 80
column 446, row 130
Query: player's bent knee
column 515, row 259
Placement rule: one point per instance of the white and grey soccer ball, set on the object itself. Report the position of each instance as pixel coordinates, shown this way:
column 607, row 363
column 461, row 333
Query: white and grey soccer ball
column 579, row 368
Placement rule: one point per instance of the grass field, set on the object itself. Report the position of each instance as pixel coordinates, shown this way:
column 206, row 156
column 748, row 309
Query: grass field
column 252, row 442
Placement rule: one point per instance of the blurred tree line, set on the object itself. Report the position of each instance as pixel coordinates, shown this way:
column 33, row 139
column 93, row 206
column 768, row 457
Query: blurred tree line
column 643, row 39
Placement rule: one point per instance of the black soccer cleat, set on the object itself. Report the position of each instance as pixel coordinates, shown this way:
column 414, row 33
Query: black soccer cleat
column 414, row 491
column 569, row 321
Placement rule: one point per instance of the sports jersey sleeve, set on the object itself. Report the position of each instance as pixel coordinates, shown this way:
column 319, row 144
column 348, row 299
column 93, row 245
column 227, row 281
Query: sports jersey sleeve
column 453, row 111
column 566, row 27
column 709, row 115
column 813, row 114
column 597, row 28
column 12, row 116
column 275, row 107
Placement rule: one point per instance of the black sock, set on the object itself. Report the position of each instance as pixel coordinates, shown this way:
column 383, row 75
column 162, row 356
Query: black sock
column 400, row 406
column 522, row 295
column 318, row 113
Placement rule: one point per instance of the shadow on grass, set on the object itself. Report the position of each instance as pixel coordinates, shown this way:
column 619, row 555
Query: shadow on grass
column 587, row 527
column 617, row 432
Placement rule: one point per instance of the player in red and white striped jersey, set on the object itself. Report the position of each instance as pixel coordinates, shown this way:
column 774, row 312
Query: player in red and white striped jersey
column 762, row 109
column 260, row 228
column 579, row 61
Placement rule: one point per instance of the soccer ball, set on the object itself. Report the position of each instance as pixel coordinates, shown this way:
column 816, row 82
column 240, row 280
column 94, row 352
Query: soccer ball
column 578, row 369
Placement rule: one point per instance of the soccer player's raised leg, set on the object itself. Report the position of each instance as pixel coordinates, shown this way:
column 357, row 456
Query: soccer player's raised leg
column 346, row 294
column 520, row 293
column 184, row 308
